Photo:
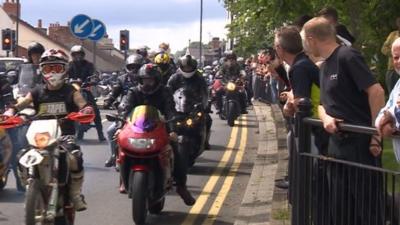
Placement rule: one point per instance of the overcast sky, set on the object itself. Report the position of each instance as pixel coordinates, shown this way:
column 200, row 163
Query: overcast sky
column 150, row 21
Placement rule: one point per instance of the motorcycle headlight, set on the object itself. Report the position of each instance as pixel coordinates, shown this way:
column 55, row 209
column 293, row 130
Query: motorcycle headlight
column 231, row 86
column 142, row 143
column 189, row 122
column 42, row 140
column 199, row 114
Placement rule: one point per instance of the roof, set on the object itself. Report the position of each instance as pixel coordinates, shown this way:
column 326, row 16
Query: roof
column 37, row 31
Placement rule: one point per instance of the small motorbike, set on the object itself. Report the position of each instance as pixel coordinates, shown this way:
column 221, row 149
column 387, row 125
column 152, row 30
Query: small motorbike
column 44, row 170
column 231, row 108
column 190, row 125
column 145, row 160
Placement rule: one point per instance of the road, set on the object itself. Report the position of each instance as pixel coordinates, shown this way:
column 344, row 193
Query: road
column 218, row 181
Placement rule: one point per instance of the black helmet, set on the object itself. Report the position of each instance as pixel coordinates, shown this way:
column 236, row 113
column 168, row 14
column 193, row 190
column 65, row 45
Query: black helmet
column 230, row 55
column 142, row 51
column 188, row 65
column 35, row 48
column 133, row 63
column 149, row 71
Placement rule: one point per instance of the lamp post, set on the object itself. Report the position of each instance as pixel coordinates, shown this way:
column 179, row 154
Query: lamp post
column 17, row 29
column 201, row 31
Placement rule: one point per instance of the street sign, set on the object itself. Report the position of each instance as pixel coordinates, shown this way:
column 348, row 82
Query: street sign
column 81, row 26
column 99, row 30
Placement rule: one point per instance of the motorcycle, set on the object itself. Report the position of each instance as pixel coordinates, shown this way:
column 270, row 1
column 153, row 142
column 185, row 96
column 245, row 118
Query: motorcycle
column 5, row 153
column 190, row 125
column 145, row 160
column 231, row 108
column 44, row 170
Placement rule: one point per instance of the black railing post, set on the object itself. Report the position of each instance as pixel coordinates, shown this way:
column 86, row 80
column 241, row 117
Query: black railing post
column 301, row 208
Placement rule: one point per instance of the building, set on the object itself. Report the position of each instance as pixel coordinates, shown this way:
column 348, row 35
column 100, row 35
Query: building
column 57, row 36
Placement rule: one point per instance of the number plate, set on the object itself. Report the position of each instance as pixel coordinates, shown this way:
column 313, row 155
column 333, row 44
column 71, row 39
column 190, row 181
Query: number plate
column 31, row 158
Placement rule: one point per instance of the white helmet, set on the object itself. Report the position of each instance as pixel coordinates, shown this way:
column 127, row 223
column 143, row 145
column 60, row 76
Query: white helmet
column 53, row 66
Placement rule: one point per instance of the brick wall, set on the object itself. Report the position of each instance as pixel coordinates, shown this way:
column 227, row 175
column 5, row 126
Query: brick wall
column 11, row 8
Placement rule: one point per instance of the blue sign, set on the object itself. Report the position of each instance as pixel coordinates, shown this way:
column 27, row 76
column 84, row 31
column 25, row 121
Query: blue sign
column 99, row 30
column 81, row 26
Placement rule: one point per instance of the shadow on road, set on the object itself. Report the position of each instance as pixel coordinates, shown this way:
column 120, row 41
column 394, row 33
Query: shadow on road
column 11, row 196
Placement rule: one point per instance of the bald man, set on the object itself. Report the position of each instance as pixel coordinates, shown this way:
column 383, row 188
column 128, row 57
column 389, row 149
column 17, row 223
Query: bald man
column 386, row 122
column 349, row 94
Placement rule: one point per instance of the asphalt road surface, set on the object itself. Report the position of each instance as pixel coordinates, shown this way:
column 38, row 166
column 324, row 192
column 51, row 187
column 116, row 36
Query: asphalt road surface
column 218, row 180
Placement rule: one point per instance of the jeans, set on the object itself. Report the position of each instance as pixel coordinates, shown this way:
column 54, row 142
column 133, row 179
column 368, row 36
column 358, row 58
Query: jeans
column 110, row 134
column 19, row 141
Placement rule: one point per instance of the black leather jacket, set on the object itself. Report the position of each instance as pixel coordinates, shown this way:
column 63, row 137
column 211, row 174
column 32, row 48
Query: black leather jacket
column 161, row 99
column 121, row 87
column 80, row 70
column 196, row 88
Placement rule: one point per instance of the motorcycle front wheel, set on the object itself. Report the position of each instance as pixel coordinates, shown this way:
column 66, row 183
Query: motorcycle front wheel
column 231, row 114
column 138, row 187
column 35, row 204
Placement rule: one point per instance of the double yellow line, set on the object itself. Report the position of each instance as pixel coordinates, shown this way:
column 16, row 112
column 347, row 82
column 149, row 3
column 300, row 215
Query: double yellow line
column 212, row 181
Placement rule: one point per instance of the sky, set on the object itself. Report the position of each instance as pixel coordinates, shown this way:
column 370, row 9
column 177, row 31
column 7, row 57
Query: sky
column 150, row 22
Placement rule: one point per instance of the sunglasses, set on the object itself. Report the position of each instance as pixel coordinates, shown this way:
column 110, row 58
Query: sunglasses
column 56, row 68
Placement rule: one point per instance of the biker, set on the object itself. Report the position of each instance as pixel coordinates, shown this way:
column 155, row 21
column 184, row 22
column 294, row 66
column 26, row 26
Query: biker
column 80, row 69
column 53, row 66
column 163, row 61
column 124, row 83
column 142, row 50
column 188, row 76
column 230, row 71
column 150, row 91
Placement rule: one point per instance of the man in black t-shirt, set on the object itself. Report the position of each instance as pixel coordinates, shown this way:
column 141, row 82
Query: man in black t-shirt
column 303, row 72
column 349, row 93
column 343, row 35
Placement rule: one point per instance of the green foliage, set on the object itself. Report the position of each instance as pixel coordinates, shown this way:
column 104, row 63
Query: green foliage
column 254, row 22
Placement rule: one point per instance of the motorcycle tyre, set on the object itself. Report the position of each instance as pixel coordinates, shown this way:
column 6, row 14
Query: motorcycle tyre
column 138, row 185
column 231, row 114
column 3, row 180
column 33, row 193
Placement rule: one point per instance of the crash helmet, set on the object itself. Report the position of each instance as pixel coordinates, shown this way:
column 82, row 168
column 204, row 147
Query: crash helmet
column 187, row 66
column 53, row 66
column 133, row 63
column 149, row 72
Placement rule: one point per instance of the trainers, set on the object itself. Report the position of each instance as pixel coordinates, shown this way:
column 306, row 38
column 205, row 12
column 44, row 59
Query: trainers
column 79, row 203
column 185, row 195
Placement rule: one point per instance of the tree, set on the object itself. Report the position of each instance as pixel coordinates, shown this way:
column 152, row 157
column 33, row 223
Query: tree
column 254, row 22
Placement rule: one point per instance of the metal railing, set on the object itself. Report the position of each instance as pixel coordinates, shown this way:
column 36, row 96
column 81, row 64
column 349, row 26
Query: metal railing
column 331, row 191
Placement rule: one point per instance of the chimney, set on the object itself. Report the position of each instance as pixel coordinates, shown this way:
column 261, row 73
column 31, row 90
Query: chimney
column 11, row 7
column 39, row 24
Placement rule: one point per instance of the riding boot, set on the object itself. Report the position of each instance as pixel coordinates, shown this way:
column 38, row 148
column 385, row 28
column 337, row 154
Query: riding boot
column 75, row 195
column 185, row 195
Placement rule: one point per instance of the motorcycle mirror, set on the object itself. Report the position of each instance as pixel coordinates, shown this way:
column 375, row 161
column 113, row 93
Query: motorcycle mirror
column 12, row 76
column 10, row 121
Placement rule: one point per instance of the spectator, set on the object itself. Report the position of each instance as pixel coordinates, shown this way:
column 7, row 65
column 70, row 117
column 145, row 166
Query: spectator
column 387, row 122
column 391, row 75
column 342, row 33
column 349, row 93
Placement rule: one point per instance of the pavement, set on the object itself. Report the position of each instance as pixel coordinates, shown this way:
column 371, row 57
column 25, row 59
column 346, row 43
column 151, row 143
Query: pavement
column 233, row 182
column 260, row 204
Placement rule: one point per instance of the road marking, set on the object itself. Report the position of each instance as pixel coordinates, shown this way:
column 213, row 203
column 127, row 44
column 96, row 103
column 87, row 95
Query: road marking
column 212, row 181
column 219, row 200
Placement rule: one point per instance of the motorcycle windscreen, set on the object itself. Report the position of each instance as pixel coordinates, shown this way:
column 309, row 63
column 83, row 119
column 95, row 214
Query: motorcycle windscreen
column 144, row 118
column 28, row 78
